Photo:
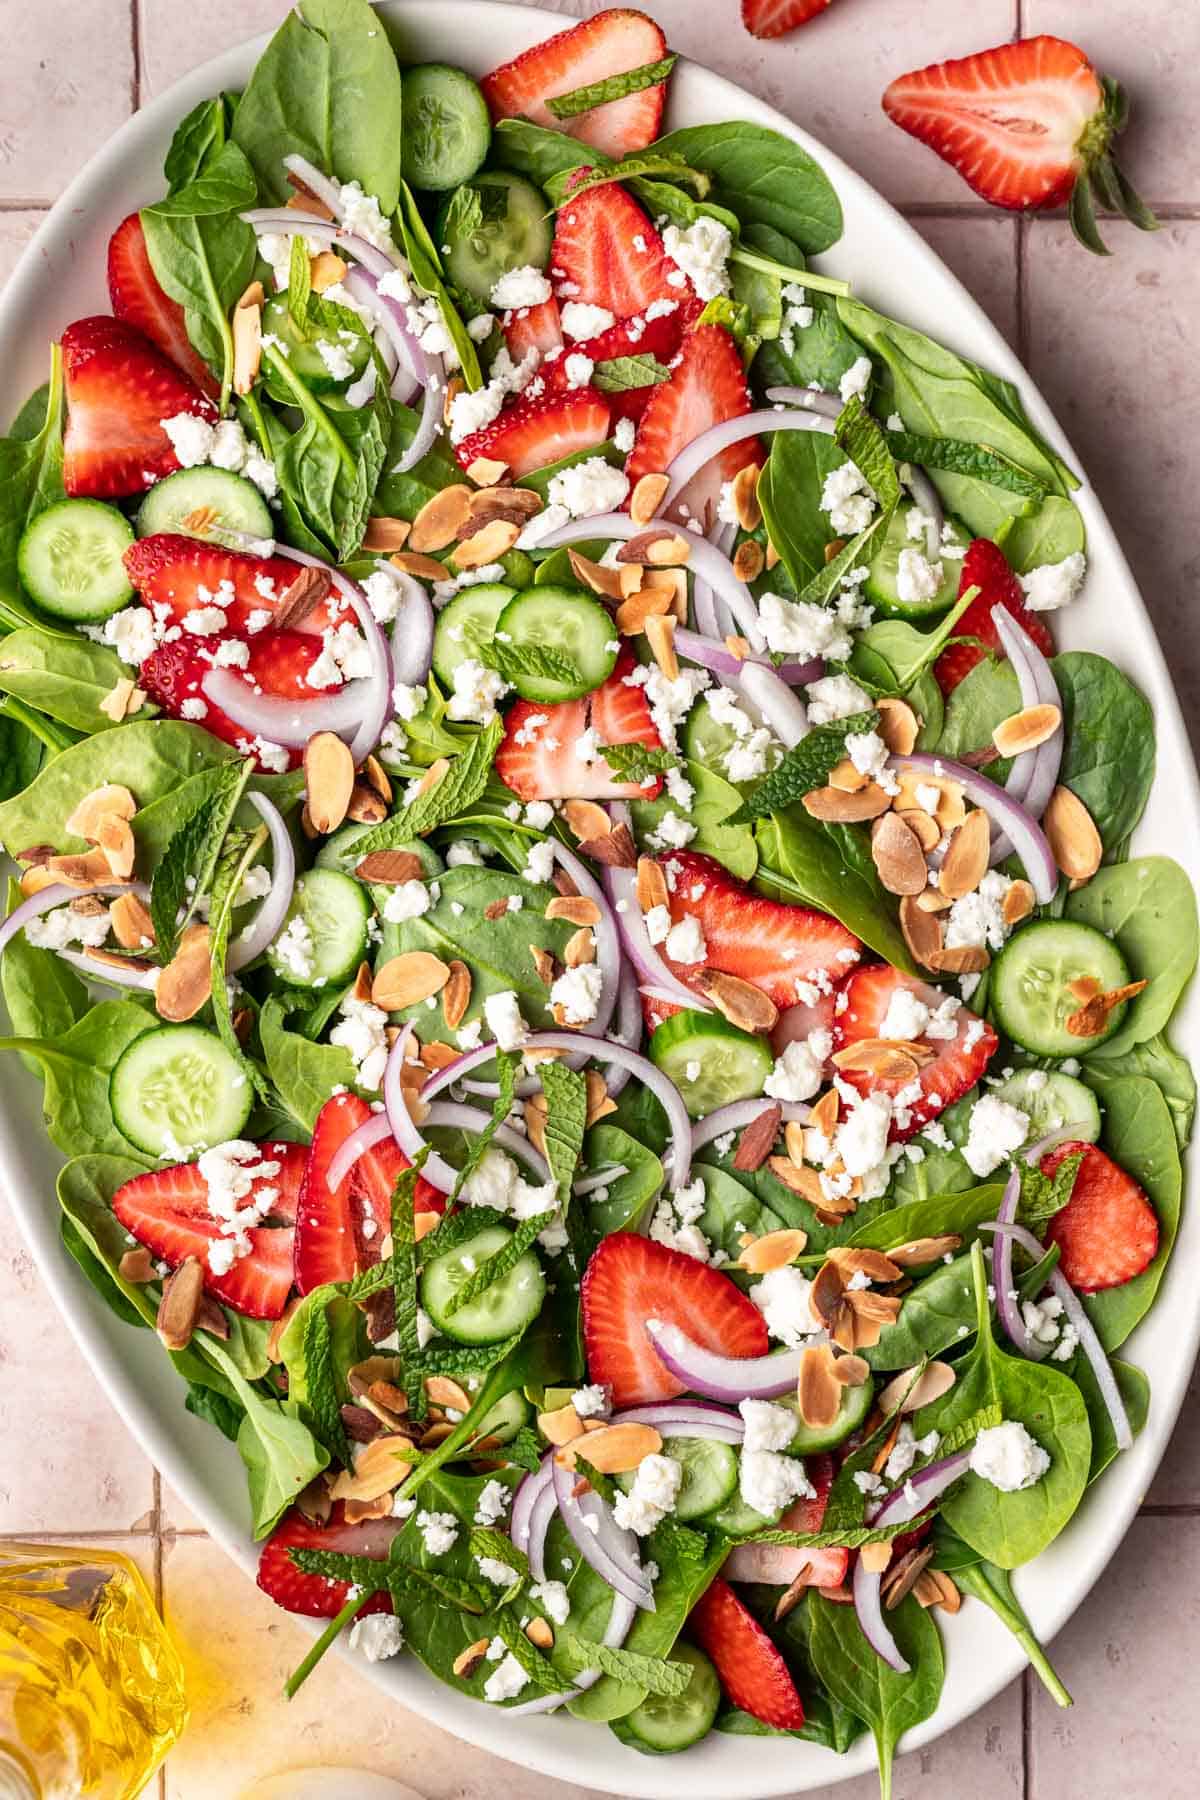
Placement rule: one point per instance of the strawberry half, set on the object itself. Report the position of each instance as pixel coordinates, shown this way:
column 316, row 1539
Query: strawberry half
column 772, row 18
column 1108, row 1230
column 957, row 1062
column 136, row 297
column 183, row 573
column 707, row 387
column 1028, row 125
column 612, row 43
column 316, row 1596
column 119, row 387
column 631, row 1279
column 167, row 1210
column 767, row 942
column 538, row 431
column 986, row 567
column 532, row 328
column 752, row 1671
column 279, row 663
column 538, row 758
column 607, row 251
column 339, row 1230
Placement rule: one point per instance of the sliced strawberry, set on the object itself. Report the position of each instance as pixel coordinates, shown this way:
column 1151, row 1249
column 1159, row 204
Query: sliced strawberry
column 119, row 387
column 136, row 297
column 612, row 43
column 985, row 567
column 538, row 759
column 658, row 337
column 764, row 941
column 279, row 664
column 780, row 1565
column 1108, row 1230
column 1024, row 124
column 543, row 430
column 182, row 573
column 607, row 251
column 631, row 1279
column 339, row 1230
column 707, row 387
column 772, row 18
column 316, row 1596
column 957, row 1062
column 753, row 1673
column 532, row 328
column 167, row 1210
column 801, row 1020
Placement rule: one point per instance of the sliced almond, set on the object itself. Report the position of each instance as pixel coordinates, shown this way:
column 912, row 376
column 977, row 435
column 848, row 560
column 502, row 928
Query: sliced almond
column 846, row 778
column 668, row 552
column 468, row 1660
column 647, row 497
column 934, row 901
column 437, row 1055
column 818, row 1391
column 186, row 982
column 793, row 1137
column 833, row 548
column 898, row 857
column 642, row 604
column 775, row 1250
column 739, row 1001
column 805, row 1182
column 924, row 828
column 408, row 979
column 586, row 819
column 356, row 1512
column 919, row 1251
column 247, row 338
column 1017, row 903
column 922, row 932
column 914, row 789
column 442, row 518
column 279, row 1326
column 544, row 963
column 963, row 959
column 618, row 1448
column 535, row 1112
column 487, row 545
column 1072, row 835
column 425, row 568
column 378, row 1468
column 300, row 597
column 108, row 801
column 872, row 1312
column 122, row 699
column 304, row 200
column 838, row 808
column 562, row 1426
column 437, row 771
column 540, row 1632
column 389, row 868
column 1084, row 989
column 485, row 471
column 456, row 995
column 1092, row 1016
column 136, row 1266
column 577, row 909
column 749, row 560
column 329, row 780
column 179, row 1308
column 580, row 948
column 1026, row 729
column 910, row 1390
column 903, row 1576
column 772, row 555
column 758, row 1139
column 744, row 494
column 660, row 635
column 674, row 582
column 861, row 1259
column 517, row 503
column 594, row 575
column 599, row 1104
column 851, row 1371
column 84, row 871
column 385, row 535
column 132, row 925
column 443, row 1391
column 878, row 1058
column 325, row 270
column 615, row 848
column 366, row 807
column 737, row 646
column 898, row 725
column 966, row 860
column 630, row 578
column 652, row 887
column 824, row 1115
column 435, row 1434
column 935, row 1588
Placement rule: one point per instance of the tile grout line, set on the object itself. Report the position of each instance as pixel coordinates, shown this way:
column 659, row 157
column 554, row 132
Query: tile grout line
column 1027, row 1733
column 135, row 51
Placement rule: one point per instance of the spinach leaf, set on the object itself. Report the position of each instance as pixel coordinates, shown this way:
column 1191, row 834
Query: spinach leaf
column 1050, row 534
column 993, row 1585
column 806, row 766
column 764, row 178
column 192, row 853
column 731, row 1210
column 75, row 1068
column 538, row 152
column 625, row 1196
column 303, row 1074
column 939, row 1172
column 198, row 136
column 976, row 706
column 1155, row 1059
column 907, row 651
column 1134, row 1387
column 401, row 496
column 30, row 480
column 280, row 1453
column 43, row 994
column 889, row 1703
column 1108, row 760
column 814, row 355
column 829, row 867
column 327, row 86
column 789, row 492
column 934, row 1316
column 427, row 272
column 329, row 467
column 224, row 183
column 457, row 791
column 215, row 1409
column 32, row 416
column 21, row 750
column 64, row 677
column 1139, row 1135
column 713, row 810
column 1149, row 907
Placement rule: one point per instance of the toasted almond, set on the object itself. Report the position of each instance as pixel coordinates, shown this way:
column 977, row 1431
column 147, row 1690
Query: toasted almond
column 660, row 635
column 179, row 1308
column 793, row 1137
column 279, row 1326
column 851, row 1370
column 485, row 471
column 846, row 778
column 586, row 819
column 454, row 387
column 329, row 779
column 885, row 1449
column 325, row 270
column 363, row 1376
column 456, row 995
column 950, row 809
column 758, row 1138
column 966, row 859
column 1017, row 903
column 1072, row 835
column 468, row 1660
column 674, row 582
column 304, row 200
column 580, row 948
column 108, row 801
column 615, row 848
column 775, row 1250
column 1091, row 1018
column 443, row 1391
column 441, row 518
column 85, row 871
column 643, row 604
column 831, row 804
column 932, row 900
column 805, row 1182
column 540, row 1632
column 425, row 568
column 737, row 646
column 437, row 771
column 186, row 982
column 875, row 1557
column 935, row 1588
column 577, row 909
column 487, row 545
column 749, row 560
column 356, row 1512
column 437, row 1055
column 424, row 1222
column 963, row 959
column 562, row 1426
column 898, row 725
column 861, row 1259
column 744, row 494
column 924, row 828
column 818, row 1391
column 544, row 963
column 903, row 1575
column 669, row 552
column 300, row 597
column 739, row 1001
column 1084, row 989
column 306, row 824
column 646, row 498
column 629, row 578
column 407, row 979
column 877, row 1057
column 136, row 1266
column 919, row 1251
column 247, row 338
column 376, row 777
column 599, row 1105
column 121, row 700
column 824, row 1114
column 914, row 1388
column 922, row 931
column 132, row 925
column 379, row 1468
column 435, row 1434
column 594, row 575
column 898, row 857
column 386, row 535
column 366, row 806
column 618, row 1448
column 652, row 887
column 833, row 548
column 1026, row 729
column 772, row 555
column 389, row 868
column 516, row 502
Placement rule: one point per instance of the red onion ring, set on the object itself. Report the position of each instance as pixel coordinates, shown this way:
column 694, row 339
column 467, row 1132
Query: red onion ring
column 1008, row 1304
column 1038, row 688
column 664, row 1090
column 598, row 1179
column 685, row 1418
column 363, row 1138
column 867, row 1587
column 411, row 659
column 621, row 887
column 814, row 398
column 429, row 371
column 330, row 192
column 703, row 648
column 436, row 1170
column 901, row 1505
column 777, row 703
column 740, row 1113
column 289, row 221
column 261, row 930
column 525, row 1498
column 693, row 457
column 608, row 1549
column 47, row 898
column 628, row 1028
column 377, row 699
column 1029, row 841
column 728, row 1378
column 287, row 722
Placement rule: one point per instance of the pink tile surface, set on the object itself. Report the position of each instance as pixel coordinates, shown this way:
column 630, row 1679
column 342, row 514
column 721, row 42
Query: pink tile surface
column 63, row 93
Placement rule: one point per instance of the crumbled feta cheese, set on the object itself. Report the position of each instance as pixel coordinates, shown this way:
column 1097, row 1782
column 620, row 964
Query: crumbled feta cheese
column 996, row 1129
column 338, row 365
column 906, row 1016
column 655, row 1489
column 623, row 435
column 978, row 918
column 593, row 1402
column 856, row 380
column 1008, row 1457
column 917, row 578
column 462, row 855
column 492, row 1503
column 131, row 633
column 685, row 941
column 1052, row 585
column 526, row 286
column 861, row 1138
column 783, row 1299
column 407, row 900
column 500, row 1574
column 362, row 1031
column 470, row 412
column 701, row 252
column 194, row 708
column 439, row 1532
column 869, row 754
column 554, row 1599
column 578, row 992
column 803, row 630
column 589, row 487
column 769, row 1481
column 191, row 438
column 671, row 833
column 669, row 700
column 506, row 1680
column 476, row 691
column 578, row 369
column 579, row 320
column 848, row 499
column 377, row 1637
column 294, row 948
column 503, row 1015
column 667, row 1228
column 539, row 862
column 768, row 1427
column 799, row 1072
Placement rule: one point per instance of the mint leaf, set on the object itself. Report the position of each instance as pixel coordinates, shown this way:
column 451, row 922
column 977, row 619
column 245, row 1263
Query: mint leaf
column 529, row 1656
column 566, row 1121
column 805, row 767
column 321, row 1379
column 507, row 1066
column 457, row 791
column 367, row 1572
column 655, row 1674
column 234, row 857
column 484, row 1542
column 618, row 374
column 539, row 660
column 495, row 1267
column 526, row 1450
column 634, row 762
column 299, row 283
column 192, row 851
column 960, row 457
column 864, row 441
column 959, row 1436
column 404, row 1281
column 1044, row 1195
column 613, row 87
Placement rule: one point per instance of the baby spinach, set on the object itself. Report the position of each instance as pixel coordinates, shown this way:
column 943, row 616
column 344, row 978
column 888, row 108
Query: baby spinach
column 427, row 272
column 789, row 491
column 303, row 1074
column 993, row 1586
column 1149, row 907
column 1139, row 1134
column 1108, row 760
column 21, row 750
column 820, row 352
column 889, row 1703
column 731, row 1210
column 64, row 677
column 935, row 1315
column 224, row 182
column 626, row 1196
column 1134, row 1388
column 764, row 178
column 1012, row 1528
column 43, row 994
column 280, row 1453
column 329, row 467
column 907, row 651
column 939, row 1172
column 830, row 867
column 30, row 480
column 976, row 706
column 1158, row 1062
column 75, row 1068
column 712, row 813
column 1048, row 535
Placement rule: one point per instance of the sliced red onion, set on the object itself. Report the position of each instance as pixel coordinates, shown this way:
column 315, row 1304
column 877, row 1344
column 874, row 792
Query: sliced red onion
column 1028, row 838
column 728, row 1378
column 778, row 1565
column 525, row 1498
column 362, row 1139
column 287, row 722
column 544, row 1509
column 664, row 1090
column 919, row 1491
column 867, row 1587
column 1051, row 1141
column 693, row 457
column 267, row 921
column 289, row 221
column 612, row 1552
column 330, row 192
column 505, row 1137
column 814, row 398
column 1085, row 1331
column 685, row 1418
column 1008, row 1303
column 429, row 371
column 588, row 1184
column 436, row 1170
column 114, row 973
column 412, row 632
column 929, row 501
column 628, row 1027
column 376, row 694
column 651, row 967
column 608, row 941
column 704, row 649
column 1038, row 688
column 777, row 703
column 740, row 1113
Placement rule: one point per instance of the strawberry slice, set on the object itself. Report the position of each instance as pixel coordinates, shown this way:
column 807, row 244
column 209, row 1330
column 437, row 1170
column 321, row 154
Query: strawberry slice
column 119, row 387
column 532, row 328
column 1108, row 1230
column 612, row 43
column 279, row 664
column 801, row 1020
column 767, row 942
column 630, row 1279
column 539, row 760
column 339, row 1231
column 607, row 251
column 182, row 573
column 136, row 297
column 315, row 1595
column 957, row 1063
column 659, row 337
column 780, row 1565
column 1028, row 125
column 167, row 1210
column 986, row 567
column 540, row 430
column 772, row 18
column 753, row 1673
column 707, row 387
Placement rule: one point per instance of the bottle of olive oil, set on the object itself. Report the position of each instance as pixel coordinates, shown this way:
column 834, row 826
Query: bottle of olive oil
column 91, row 1687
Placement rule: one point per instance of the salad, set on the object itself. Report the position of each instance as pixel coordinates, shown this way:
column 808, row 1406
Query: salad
column 579, row 935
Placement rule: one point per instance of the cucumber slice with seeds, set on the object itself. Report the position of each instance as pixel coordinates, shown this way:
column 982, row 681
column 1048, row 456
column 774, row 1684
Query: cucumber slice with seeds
column 1031, row 985
column 505, row 1307
column 710, row 1061
column 882, row 586
column 446, row 129
column 177, row 1090
column 515, row 231
column 69, row 560
column 664, row 1724
column 466, row 625
column 1053, row 1100
column 710, row 1475
column 324, row 935
column 216, row 501
column 569, row 621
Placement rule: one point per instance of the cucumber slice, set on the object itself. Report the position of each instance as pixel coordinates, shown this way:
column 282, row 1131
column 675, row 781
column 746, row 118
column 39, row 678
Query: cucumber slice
column 446, row 131
column 234, row 503
column 854, row 1407
column 506, row 1418
column 507, row 1306
column 305, row 359
column 882, row 586
column 466, row 625
column 664, row 1724
column 710, row 1475
column 569, row 621
column 515, row 232
column 710, row 1061
column 1030, row 989
column 69, row 560
column 177, row 1090
column 736, row 1519
column 1052, row 1101
column 324, row 935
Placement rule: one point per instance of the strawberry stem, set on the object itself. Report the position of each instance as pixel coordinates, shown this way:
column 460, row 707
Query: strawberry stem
column 824, row 284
